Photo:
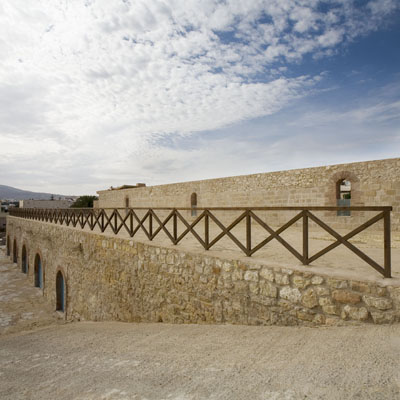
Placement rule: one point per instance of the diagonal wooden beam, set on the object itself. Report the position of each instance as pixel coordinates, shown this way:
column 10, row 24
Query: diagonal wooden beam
column 348, row 236
column 275, row 234
column 350, row 246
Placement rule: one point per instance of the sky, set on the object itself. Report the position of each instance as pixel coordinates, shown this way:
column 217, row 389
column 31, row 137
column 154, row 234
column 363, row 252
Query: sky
column 100, row 93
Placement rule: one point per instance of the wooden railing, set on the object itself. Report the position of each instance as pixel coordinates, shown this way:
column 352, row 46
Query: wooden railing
column 128, row 219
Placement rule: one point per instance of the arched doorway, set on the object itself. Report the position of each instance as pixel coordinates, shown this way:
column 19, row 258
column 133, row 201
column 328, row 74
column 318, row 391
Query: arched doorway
column 193, row 204
column 15, row 252
column 38, row 272
column 24, row 263
column 343, row 196
column 60, row 292
column 8, row 245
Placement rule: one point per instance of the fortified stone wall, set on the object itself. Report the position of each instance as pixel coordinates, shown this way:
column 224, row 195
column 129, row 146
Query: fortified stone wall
column 109, row 278
column 373, row 183
column 45, row 203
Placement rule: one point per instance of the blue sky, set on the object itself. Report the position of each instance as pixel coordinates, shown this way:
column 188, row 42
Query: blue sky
column 102, row 93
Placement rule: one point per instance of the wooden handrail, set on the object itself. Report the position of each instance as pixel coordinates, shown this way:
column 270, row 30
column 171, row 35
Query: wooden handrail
column 104, row 218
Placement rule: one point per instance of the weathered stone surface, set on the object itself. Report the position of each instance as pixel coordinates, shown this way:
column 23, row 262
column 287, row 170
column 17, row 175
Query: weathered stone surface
column 282, row 279
column 309, row 299
column 305, row 315
column 324, row 301
column 336, row 283
column 300, row 282
column 380, row 317
column 251, row 276
column 356, row 313
column 268, row 289
column 380, row 303
column 344, row 296
column 267, row 274
column 291, row 294
column 330, row 309
column 322, row 291
column 317, row 280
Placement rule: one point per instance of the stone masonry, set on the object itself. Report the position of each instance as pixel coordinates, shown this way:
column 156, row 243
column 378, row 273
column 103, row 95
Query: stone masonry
column 373, row 183
column 111, row 278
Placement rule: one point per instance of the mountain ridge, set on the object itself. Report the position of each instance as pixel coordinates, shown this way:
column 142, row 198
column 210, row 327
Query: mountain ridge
column 9, row 192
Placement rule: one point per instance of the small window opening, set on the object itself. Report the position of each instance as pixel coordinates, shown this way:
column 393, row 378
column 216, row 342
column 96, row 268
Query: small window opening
column 343, row 196
column 38, row 272
column 60, row 292
column 24, row 264
column 126, row 202
column 8, row 245
column 193, row 204
column 15, row 252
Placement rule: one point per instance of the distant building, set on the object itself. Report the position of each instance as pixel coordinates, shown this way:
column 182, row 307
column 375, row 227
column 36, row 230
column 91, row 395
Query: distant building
column 45, row 203
column 3, row 217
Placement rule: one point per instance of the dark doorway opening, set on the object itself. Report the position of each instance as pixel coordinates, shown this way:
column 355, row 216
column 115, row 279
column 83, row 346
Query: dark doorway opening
column 24, row 264
column 38, row 272
column 15, row 252
column 60, row 292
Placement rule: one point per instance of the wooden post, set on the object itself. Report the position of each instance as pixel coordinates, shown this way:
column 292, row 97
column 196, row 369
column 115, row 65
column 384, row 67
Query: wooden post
column 151, row 224
column 305, row 237
column 248, row 233
column 387, row 244
column 207, row 230
column 175, row 221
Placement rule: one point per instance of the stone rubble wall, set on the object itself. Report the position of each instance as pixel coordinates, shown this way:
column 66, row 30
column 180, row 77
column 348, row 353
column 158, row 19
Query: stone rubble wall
column 374, row 183
column 109, row 278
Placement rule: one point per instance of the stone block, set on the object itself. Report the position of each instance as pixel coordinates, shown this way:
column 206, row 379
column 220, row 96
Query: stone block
column 300, row 281
column 291, row 294
column 317, row 280
column 309, row 299
column 267, row 274
column 330, row 309
column 344, row 296
column 336, row 283
column 380, row 317
column 322, row 291
column 282, row 279
column 356, row 313
column 381, row 303
column 268, row 289
column 251, row 276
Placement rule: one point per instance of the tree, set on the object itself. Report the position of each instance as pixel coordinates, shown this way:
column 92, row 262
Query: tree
column 84, row 202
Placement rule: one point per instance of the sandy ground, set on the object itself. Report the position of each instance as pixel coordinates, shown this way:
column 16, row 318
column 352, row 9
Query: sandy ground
column 43, row 358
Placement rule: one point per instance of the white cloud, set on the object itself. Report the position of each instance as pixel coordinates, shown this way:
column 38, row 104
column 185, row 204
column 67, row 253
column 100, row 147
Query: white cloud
column 93, row 82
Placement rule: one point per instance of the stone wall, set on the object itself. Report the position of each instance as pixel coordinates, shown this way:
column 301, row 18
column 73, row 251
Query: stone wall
column 45, row 203
column 109, row 278
column 372, row 182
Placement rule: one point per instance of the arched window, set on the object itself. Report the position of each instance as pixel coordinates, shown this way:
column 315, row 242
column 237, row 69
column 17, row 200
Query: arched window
column 60, row 292
column 24, row 263
column 343, row 196
column 15, row 252
column 193, row 204
column 38, row 272
column 8, row 245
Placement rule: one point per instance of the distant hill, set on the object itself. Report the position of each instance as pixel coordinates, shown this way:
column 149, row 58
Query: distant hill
column 8, row 192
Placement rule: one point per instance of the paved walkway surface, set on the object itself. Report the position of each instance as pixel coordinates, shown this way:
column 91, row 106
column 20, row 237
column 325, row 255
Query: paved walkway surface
column 41, row 358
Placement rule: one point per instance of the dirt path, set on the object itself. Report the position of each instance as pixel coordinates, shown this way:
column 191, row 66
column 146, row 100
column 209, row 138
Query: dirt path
column 159, row 361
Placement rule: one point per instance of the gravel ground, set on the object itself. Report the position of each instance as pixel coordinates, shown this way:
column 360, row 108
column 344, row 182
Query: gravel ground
column 41, row 357
column 161, row 361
